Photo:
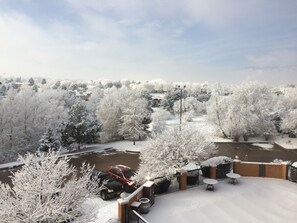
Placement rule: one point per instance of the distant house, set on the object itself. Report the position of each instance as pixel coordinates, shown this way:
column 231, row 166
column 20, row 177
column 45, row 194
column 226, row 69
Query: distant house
column 84, row 96
column 19, row 85
column 157, row 99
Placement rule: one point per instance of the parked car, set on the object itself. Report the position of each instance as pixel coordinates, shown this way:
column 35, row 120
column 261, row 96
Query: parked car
column 123, row 174
column 108, row 187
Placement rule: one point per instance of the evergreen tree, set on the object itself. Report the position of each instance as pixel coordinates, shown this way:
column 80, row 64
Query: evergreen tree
column 171, row 97
column 31, row 81
column 81, row 126
column 57, row 85
column 49, row 141
column 35, row 88
column 43, row 81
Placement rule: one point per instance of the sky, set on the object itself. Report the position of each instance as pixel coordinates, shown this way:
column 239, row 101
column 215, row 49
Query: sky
column 230, row 41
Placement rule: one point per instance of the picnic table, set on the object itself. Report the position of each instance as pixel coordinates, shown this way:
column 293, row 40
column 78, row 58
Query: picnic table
column 210, row 183
column 233, row 177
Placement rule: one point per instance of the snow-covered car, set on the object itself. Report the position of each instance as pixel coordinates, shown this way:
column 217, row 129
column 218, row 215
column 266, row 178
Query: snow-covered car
column 107, row 186
column 123, row 174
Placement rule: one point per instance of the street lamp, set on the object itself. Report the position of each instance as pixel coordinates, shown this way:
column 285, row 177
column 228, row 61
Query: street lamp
column 181, row 105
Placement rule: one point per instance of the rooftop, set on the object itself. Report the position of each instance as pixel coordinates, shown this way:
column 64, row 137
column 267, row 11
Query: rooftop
column 251, row 200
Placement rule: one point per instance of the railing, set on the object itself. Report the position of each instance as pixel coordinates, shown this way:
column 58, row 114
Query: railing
column 139, row 218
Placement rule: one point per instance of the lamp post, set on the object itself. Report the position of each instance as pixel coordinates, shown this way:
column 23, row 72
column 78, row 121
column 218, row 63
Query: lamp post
column 181, row 105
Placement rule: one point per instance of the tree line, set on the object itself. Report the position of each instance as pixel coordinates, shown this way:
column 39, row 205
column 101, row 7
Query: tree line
column 52, row 116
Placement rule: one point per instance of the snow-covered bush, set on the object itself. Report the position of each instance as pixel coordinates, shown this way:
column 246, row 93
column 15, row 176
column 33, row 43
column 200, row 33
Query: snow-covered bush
column 292, row 174
column 172, row 150
column 223, row 166
column 45, row 189
column 215, row 161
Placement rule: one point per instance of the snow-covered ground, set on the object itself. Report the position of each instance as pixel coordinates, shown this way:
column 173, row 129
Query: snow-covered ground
column 267, row 146
column 286, row 142
column 199, row 122
column 100, row 211
column 251, row 200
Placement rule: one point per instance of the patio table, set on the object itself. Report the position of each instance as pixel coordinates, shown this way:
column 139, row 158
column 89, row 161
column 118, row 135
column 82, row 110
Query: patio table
column 233, row 177
column 210, row 183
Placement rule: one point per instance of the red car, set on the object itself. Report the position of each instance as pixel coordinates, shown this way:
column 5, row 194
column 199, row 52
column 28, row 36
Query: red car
column 123, row 174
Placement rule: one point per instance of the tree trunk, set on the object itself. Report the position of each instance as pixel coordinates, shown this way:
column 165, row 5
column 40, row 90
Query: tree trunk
column 219, row 120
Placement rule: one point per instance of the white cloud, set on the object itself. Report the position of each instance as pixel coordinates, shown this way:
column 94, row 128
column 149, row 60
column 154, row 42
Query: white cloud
column 275, row 59
column 144, row 40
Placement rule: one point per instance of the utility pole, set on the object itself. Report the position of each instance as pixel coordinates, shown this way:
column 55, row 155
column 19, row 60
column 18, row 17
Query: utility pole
column 181, row 105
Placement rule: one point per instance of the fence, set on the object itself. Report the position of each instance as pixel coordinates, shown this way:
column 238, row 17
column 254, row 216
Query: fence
column 126, row 205
column 255, row 169
column 138, row 217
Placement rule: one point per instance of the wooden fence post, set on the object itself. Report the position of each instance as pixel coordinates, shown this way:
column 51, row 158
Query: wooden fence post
column 122, row 210
column 213, row 172
column 183, row 180
column 284, row 170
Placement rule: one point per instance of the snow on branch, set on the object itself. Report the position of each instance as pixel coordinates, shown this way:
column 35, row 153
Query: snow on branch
column 45, row 189
column 172, row 150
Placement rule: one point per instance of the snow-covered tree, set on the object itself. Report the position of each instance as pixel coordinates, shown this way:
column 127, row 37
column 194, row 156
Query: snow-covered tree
column 255, row 105
column 43, row 81
column 289, row 123
column 131, row 125
column 246, row 112
column 190, row 107
column 57, row 85
column 171, row 97
column 26, row 116
column 81, row 127
column 45, row 189
column 31, row 81
column 115, row 104
column 49, row 141
column 217, row 109
column 159, row 118
column 109, row 113
column 172, row 150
